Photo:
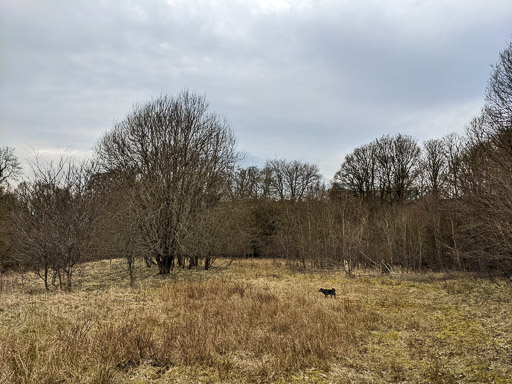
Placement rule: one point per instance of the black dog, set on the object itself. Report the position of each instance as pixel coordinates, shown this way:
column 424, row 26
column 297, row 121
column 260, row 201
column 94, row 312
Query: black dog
column 328, row 292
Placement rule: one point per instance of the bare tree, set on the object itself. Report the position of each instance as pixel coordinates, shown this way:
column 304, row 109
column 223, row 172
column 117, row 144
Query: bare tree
column 267, row 183
column 54, row 217
column 181, row 157
column 453, row 145
column 389, row 166
column 434, row 166
column 486, row 176
column 10, row 170
column 405, row 160
column 359, row 170
column 497, row 114
column 247, row 183
column 292, row 180
column 219, row 230
column 116, row 231
column 301, row 179
column 10, row 167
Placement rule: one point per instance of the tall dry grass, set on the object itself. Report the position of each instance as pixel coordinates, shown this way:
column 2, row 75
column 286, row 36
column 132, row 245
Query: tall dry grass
column 258, row 321
column 243, row 331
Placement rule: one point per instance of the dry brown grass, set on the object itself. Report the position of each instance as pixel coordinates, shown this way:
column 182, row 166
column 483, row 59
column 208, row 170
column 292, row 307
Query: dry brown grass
column 257, row 321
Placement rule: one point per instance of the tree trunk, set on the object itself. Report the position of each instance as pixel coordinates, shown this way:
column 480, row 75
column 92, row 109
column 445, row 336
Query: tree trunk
column 46, row 277
column 131, row 261
column 69, row 273
column 165, row 262
column 149, row 261
column 455, row 247
column 59, row 275
column 193, row 262
column 181, row 261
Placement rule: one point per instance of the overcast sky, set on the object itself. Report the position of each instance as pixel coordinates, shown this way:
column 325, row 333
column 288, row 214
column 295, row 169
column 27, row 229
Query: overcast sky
column 301, row 80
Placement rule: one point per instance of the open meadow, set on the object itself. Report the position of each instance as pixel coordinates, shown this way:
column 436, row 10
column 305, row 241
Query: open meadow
column 255, row 321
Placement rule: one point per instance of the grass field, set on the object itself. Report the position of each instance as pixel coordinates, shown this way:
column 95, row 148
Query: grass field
column 255, row 321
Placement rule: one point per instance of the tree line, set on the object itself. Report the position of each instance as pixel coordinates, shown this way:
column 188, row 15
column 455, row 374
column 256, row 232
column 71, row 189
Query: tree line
column 165, row 186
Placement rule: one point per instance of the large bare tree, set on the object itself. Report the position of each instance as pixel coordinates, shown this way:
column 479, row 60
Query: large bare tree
column 180, row 156
column 359, row 171
column 497, row 112
column 388, row 166
column 291, row 180
column 486, row 175
column 53, row 218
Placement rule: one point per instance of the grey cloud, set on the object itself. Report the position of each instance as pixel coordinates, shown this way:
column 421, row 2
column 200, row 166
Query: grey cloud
column 307, row 82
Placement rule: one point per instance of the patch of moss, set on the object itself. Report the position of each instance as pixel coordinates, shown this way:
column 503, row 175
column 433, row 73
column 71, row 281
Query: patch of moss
column 385, row 337
column 463, row 332
column 483, row 373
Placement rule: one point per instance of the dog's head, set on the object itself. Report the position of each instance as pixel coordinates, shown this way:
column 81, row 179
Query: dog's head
column 321, row 290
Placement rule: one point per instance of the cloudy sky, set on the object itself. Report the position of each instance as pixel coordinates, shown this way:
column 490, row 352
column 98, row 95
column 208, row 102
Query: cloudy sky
column 306, row 80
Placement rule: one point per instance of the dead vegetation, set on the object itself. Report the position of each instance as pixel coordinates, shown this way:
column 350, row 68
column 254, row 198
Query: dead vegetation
column 257, row 321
